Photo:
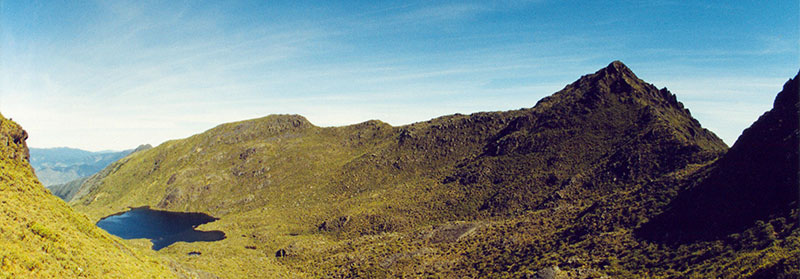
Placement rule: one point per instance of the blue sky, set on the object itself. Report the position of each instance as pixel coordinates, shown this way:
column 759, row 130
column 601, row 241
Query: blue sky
column 116, row 74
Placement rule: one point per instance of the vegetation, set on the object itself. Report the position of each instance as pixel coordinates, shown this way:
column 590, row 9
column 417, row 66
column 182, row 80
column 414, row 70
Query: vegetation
column 42, row 237
column 574, row 187
column 756, row 180
column 67, row 190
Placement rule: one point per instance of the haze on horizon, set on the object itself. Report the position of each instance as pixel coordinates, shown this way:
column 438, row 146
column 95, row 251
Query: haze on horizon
column 111, row 75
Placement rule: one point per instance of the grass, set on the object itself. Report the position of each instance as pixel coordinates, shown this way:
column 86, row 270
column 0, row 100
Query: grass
column 566, row 183
column 42, row 237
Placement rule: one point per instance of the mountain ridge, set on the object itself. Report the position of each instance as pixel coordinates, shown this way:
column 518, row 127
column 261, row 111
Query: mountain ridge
column 768, row 188
column 61, row 165
column 576, row 173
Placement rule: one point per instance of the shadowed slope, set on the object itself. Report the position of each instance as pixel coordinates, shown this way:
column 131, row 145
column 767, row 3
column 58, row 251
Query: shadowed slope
column 756, row 180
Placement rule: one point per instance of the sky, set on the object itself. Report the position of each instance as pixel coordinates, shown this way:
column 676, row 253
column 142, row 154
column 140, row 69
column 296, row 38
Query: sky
column 111, row 75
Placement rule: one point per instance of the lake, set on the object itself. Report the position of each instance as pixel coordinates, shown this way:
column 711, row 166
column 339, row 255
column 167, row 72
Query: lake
column 162, row 227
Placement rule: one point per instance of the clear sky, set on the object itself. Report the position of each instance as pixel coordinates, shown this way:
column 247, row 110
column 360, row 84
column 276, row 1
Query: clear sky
column 115, row 74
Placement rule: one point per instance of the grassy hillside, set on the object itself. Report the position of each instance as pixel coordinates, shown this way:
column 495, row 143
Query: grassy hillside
column 558, row 188
column 42, row 237
column 67, row 190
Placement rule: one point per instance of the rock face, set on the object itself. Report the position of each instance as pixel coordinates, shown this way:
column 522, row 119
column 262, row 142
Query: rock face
column 13, row 141
column 756, row 180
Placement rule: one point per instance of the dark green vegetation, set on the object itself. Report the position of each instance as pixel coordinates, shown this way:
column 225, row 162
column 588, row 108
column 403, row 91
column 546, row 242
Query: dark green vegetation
column 587, row 183
column 42, row 237
column 59, row 166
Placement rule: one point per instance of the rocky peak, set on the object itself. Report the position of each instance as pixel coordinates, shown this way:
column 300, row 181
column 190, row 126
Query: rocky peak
column 614, row 83
column 616, row 89
column 614, row 78
column 12, row 140
column 276, row 125
column 787, row 100
column 617, row 68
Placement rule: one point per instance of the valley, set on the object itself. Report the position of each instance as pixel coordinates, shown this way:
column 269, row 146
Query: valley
column 61, row 165
column 413, row 139
column 582, row 185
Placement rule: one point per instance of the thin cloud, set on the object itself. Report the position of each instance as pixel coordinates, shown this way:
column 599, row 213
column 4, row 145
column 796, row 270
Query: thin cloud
column 159, row 71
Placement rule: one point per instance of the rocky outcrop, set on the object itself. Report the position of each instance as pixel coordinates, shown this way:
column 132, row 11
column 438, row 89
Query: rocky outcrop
column 12, row 140
column 606, row 130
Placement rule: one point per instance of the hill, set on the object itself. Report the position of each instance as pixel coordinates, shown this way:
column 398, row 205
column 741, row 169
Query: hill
column 558, row 188
column 42, row 237
column 68, row 191
column 61, row 165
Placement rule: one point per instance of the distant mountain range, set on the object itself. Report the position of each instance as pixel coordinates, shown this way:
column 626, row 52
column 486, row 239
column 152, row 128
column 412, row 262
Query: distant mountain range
column 61, row 165
column 610, row 177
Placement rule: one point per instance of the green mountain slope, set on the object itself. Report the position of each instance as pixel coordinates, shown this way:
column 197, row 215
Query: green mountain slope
column 558, row 188
column 42, row 237
column 67, row 190
column 240, row 166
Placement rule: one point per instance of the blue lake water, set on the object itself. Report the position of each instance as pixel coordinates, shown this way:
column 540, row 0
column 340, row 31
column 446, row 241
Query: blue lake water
column 162, row 227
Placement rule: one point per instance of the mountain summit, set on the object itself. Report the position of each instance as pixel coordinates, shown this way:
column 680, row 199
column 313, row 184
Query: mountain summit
column 616, row 77
column 591, row 161
column 616, row 80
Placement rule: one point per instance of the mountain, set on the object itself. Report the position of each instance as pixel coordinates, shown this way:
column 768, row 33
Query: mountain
column 560, row 189
column 610, row 118
column 757, row 180
column 61, row 165
column 68, row 191
column 42, row 237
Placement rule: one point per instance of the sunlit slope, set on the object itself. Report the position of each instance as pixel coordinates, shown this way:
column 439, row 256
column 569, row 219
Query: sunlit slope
column 283, row 161
column 41, row 237
column 492, row 194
